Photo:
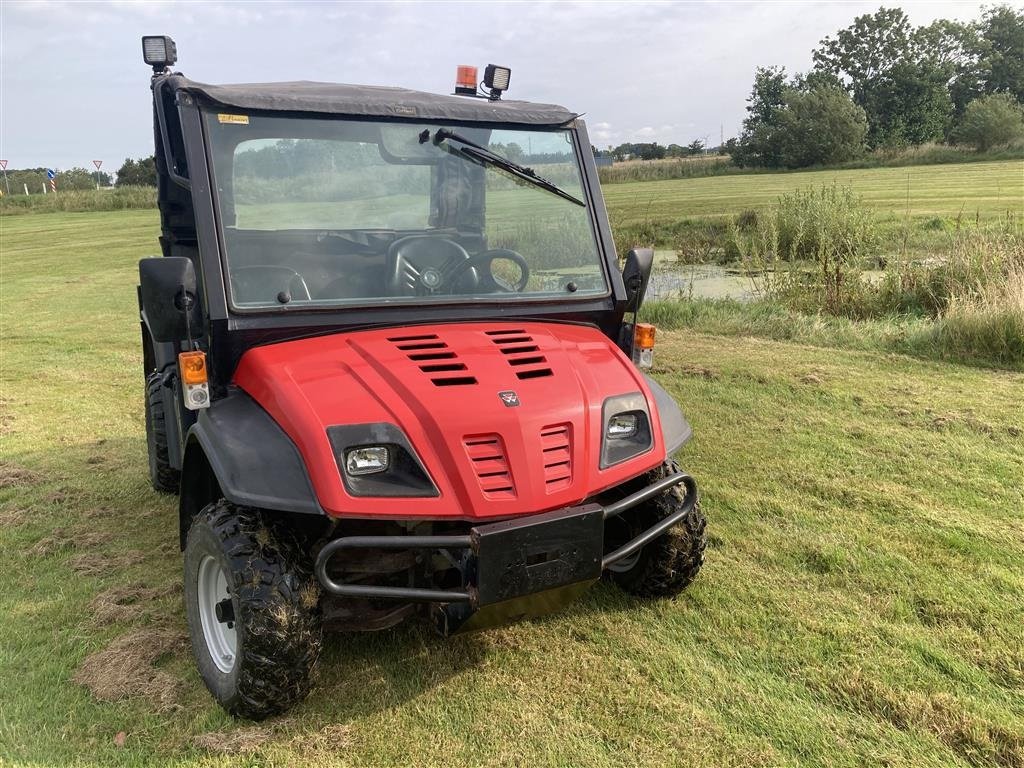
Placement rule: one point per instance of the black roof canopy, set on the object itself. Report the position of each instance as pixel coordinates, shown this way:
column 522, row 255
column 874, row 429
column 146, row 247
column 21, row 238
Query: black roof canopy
column 372, row 101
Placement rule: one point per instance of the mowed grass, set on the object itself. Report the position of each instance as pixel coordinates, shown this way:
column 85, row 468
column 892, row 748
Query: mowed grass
column 969, row 190
column 861, row 602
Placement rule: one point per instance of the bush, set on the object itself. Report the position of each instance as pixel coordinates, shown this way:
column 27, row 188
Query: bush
column 808, row 250
column 820, row 127
column 991, row 121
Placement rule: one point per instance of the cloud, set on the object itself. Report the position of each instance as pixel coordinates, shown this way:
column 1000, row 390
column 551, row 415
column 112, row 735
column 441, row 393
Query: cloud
column 73, row 86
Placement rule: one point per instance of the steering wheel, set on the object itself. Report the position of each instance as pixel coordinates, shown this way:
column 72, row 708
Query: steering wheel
column 485, row 259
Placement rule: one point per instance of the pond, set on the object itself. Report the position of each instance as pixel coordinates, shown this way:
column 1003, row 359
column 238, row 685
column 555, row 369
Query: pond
column 671, row 280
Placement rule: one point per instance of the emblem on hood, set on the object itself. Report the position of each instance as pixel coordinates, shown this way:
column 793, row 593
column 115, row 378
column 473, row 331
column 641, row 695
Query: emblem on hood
column 509, row 398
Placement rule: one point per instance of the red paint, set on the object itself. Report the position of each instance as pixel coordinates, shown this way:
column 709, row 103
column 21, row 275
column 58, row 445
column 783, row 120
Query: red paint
column 486, row 458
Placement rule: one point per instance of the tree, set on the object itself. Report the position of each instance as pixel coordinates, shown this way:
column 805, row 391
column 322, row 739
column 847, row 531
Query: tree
column 904, row 93
column 76, row 178
column 137, row 173
column 867, row 49
column 991, row 121
column 696, row 147
column 758, row 145
column 909, row 104
column 954, row 48
column 1002, row 51
column 820, row 127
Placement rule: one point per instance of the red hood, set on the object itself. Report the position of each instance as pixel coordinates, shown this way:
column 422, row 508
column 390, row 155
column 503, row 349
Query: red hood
column 440, row 385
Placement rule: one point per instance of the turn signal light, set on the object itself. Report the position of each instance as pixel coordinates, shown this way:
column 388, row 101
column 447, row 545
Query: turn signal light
column 193, row 367
column 643, row 345
column 194, row 380
column 644, row 336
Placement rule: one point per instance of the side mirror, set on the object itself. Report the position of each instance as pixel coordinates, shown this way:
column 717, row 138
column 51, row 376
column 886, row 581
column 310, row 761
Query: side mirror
column 636, row 275
column 169, row 298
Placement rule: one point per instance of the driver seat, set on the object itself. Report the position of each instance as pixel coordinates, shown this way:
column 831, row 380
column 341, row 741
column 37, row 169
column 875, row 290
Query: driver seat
column 415, row 265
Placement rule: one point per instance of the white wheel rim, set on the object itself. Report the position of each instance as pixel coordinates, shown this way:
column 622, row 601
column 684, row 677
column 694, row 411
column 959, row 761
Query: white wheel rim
column 212, row 588
column 626, row 563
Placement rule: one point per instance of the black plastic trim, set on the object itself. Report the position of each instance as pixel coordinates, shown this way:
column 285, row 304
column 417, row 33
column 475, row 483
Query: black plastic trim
column 255, row 462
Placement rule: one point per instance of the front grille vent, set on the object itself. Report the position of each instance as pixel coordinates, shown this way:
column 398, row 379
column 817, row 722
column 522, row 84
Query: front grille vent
column 557, row 453
column 521, row 352
column 490, row 465
column 435, row 359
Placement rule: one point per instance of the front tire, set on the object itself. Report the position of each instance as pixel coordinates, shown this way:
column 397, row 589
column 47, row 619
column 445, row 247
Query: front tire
column 253, row 611
column 667, row 565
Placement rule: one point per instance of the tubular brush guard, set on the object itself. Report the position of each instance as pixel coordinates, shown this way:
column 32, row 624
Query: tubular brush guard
column 525, row 566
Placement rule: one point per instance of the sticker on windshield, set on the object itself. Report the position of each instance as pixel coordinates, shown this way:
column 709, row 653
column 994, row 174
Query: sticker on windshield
column 233, row 119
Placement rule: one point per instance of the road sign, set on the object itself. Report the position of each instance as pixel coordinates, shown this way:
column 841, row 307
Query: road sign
column 97, row 163
column 3, row 165
column 50, row 174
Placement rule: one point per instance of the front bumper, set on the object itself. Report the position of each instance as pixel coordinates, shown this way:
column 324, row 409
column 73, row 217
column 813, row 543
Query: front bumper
column 521, row 567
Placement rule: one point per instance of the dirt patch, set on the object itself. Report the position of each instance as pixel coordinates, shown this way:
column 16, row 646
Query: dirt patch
column 241, row 741
column 11, row 475
column 125, row 668
column 125, row 602
column 814, row 379
column 61, row 538
column 9, row 518
column 323, row 743
column 60, row 496
column 976, row 740
column 697, row 370
column 92, row 564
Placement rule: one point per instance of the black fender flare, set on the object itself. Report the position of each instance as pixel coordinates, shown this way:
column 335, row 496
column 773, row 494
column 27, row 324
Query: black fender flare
column 675, row 429
column 255, row 463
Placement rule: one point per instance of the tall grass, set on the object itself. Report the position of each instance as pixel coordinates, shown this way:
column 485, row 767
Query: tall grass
column 80, row 200
column 808, row 250
column 668, row 168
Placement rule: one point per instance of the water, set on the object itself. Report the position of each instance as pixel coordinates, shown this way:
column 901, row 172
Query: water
column 671, row 280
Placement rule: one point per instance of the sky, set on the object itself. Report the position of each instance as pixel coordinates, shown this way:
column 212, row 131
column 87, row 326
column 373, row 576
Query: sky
column 73, row 87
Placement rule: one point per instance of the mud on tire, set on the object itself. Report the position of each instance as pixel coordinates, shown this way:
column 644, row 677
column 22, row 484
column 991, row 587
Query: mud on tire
column 668, row 564
column 275, row 603
column 162, row 475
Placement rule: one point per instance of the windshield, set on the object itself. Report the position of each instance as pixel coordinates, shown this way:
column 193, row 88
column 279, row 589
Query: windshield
column 326, row 212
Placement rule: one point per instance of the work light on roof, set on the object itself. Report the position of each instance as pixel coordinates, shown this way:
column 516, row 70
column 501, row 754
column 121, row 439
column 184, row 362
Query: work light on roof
column 496, row 79
column 159, row 51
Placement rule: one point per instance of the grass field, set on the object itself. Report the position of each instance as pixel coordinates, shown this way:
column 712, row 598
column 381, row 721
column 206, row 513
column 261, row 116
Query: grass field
column 969, row 189
column 861, row 602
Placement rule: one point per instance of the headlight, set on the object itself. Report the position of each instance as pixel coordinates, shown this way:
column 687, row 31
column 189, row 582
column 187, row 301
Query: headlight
column 377, row 459
column 367, row 460
column 627, row 429
column 622, row 425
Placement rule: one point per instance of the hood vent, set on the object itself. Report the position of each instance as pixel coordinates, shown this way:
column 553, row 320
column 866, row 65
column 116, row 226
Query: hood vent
column 490, row 465
column 557, row 452
column 432, row 356
column 521, row 352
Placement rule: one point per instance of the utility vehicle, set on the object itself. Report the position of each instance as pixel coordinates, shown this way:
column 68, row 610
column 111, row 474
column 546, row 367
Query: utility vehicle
column 392, row 367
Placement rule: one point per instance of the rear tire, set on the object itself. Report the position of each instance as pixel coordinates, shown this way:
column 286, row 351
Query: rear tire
column 667, row 565
column 162, row 475
column 260, row 663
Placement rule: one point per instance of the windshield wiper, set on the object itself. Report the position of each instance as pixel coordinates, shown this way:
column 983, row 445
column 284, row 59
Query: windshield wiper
column 486, row 157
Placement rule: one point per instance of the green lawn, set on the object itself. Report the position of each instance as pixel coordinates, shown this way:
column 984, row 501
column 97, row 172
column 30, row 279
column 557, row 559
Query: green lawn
column 948, row 191
column 861, row 602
